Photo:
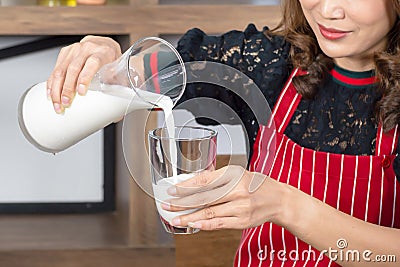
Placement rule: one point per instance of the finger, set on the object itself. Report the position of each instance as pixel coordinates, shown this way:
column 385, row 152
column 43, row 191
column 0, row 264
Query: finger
column 218, row 224
column 48, row 86
column 60, row 58
column 208, row 213
column 218, row 195
column 70, row 83
column 205, row 181
column 91, row 67
column 199, row 182
column 56, row 88
column 57, row 77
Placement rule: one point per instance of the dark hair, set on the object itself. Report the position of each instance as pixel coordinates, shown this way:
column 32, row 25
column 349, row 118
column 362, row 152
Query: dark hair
column 306, row 54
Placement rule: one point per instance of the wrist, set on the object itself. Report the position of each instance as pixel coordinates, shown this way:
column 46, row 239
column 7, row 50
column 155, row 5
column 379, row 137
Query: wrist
column 280, row 204
column 284, row 206
column 296, row 208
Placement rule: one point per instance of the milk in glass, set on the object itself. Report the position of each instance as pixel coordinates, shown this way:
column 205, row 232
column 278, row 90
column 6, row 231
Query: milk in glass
column 161, row 195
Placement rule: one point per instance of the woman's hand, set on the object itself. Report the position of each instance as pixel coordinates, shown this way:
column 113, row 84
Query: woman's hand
column 231, row 197
column 75, row 67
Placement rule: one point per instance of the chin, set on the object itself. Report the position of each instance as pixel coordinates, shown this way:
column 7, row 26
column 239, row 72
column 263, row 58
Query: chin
column 336, row 51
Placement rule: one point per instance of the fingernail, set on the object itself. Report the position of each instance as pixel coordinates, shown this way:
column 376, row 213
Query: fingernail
column 171, row 191
column 65, row 101
column 165, row 206
column 57, row 107
column 176, row 222
column 81, row 89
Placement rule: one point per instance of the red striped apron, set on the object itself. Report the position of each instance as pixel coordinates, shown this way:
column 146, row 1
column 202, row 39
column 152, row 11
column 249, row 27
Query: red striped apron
column 362, row 186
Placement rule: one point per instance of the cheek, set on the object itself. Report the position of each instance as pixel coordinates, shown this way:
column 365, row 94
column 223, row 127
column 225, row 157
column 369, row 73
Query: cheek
column 309, row 7
column 375, row 15
column 375, row 28
column 308, row 4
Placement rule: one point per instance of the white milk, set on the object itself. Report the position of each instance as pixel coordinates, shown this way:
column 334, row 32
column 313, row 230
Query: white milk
column 167, row 106
column 161, row 195
column 53, row 132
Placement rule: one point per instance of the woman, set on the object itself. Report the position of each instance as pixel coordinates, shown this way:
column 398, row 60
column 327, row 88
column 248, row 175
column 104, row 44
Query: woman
column 332, row 187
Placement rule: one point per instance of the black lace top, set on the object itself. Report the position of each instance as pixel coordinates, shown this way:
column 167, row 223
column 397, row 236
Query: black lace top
column 339, row 119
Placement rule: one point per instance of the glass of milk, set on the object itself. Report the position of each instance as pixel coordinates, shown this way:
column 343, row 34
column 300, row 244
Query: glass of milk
column 177, row 154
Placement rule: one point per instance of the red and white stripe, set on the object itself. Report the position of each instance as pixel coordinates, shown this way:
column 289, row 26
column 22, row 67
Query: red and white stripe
column 362, row 186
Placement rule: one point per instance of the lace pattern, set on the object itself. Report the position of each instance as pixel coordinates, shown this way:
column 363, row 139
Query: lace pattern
column 338, row 120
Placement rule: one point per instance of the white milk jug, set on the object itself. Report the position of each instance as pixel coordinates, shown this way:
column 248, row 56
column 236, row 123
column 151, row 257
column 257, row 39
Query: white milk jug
column 150, row 73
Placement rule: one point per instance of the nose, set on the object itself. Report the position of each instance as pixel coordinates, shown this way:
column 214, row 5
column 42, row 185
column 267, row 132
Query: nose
column 332, row 9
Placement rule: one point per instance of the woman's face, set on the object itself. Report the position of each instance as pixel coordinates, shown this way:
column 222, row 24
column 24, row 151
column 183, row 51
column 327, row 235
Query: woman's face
column 350, row 31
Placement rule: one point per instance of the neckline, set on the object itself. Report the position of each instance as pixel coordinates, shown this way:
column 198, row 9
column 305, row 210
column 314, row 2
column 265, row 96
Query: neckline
column 353, row 79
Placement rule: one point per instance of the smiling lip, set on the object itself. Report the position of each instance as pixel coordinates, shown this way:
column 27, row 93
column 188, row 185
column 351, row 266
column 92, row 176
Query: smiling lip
column 332, row 34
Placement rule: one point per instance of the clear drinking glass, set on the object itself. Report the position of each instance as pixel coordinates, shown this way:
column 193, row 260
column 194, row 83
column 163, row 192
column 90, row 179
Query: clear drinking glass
column 188, row 151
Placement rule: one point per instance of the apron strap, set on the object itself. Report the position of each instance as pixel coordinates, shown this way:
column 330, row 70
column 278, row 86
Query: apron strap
column 386, row 143
column 287, row 103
